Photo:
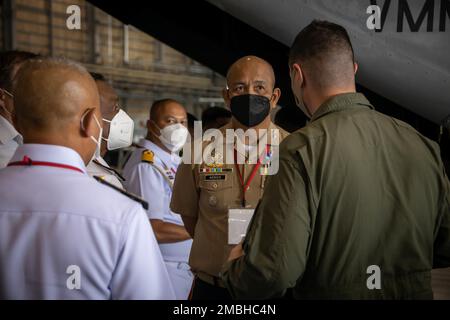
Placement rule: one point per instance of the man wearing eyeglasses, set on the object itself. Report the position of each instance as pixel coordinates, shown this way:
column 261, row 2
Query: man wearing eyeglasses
column 10, row 139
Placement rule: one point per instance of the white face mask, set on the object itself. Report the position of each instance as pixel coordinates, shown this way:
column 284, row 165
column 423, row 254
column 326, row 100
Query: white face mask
column 97, row 141
column 120, row 131
column 174, row 136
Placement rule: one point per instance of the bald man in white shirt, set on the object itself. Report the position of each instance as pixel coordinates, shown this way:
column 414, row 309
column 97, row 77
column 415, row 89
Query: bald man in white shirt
column 64, row 235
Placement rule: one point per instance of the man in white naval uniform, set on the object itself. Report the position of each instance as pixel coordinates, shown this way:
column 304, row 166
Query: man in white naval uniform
column 10, row 139
column 150, row 173
column 63, row 235
column 117, row 132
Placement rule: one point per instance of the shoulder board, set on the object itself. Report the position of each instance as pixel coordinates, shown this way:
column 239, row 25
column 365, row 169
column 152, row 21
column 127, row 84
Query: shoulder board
column 109, row 169
column 128, row 194
column 147, row 156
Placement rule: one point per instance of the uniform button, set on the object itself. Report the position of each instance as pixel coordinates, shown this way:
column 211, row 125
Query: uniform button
column 215, row 185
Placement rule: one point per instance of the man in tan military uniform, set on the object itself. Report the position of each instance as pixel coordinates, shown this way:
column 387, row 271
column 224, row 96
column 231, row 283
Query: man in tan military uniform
column 204, row 193
column 360, row 207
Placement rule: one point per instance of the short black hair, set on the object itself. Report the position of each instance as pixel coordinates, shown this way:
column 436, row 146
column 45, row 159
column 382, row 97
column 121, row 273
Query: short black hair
column 8, row 60
column 98, row 76
column 157, row 104
column 325, row 49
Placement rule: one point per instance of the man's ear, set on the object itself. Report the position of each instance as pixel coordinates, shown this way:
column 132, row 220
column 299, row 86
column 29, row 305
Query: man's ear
column 226, row 97
column 275, row 97
column 89, row 126
column 298, row 73
column 355, row 66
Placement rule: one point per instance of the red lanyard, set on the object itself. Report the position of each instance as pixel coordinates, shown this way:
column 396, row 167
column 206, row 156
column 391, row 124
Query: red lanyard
column 28, row 162
column 245, row 186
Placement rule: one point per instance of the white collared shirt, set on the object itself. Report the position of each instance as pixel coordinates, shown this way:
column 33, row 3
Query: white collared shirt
column 10, row 139
column 57, row 221
column 94, row 169
column 146, row 181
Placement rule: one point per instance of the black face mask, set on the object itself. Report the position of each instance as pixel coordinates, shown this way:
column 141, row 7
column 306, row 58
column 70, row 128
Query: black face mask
column 250, row 109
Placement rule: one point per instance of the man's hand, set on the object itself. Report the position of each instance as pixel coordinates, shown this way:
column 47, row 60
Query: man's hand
column 236, row 252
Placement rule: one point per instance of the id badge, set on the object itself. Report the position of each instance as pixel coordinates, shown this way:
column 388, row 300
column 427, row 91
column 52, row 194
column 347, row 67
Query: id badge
column 238, row 221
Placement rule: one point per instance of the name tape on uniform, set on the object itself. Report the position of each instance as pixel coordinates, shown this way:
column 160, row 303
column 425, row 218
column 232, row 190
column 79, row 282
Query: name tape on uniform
column 215, row 177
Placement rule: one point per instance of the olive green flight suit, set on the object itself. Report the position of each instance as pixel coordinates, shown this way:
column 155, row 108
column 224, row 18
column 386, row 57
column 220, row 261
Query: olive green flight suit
column 356, row 191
